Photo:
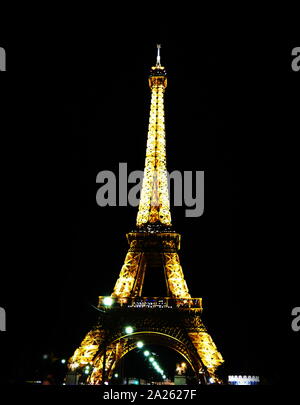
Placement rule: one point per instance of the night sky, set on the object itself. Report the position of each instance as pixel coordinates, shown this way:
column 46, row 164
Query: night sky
column 79, row 105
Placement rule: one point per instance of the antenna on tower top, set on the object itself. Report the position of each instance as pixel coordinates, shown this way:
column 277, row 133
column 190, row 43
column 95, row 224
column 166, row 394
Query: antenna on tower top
column 158, row 55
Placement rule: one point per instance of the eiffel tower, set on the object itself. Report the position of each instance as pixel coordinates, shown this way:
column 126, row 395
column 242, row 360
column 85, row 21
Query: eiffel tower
column 174, row 320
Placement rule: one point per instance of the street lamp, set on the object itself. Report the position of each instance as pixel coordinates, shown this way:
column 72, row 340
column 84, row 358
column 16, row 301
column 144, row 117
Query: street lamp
column 146, row 353
column 129, row 330
column 108, row 301
column 140, row 344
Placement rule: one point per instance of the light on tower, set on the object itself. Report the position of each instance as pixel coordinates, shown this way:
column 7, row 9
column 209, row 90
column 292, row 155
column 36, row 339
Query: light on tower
column 108, row 301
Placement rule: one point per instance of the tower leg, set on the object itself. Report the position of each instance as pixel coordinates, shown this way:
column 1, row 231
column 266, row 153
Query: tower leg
column 175, row 278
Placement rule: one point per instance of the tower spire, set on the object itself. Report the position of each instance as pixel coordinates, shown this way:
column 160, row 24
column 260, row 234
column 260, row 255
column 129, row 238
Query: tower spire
column 158, row 55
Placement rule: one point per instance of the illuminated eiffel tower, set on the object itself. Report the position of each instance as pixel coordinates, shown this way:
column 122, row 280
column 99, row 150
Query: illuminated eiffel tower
column 174, row 320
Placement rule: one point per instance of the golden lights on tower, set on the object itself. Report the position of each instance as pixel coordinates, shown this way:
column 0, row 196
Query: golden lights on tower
column 96, row 350
column 155, row 203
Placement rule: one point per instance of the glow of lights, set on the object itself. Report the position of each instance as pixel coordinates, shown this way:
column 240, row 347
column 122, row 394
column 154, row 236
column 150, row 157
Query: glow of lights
column 116, row 375
column 140, row 344
column 129, row 330
column 108, row 301
column 154, row 202
column 146, row 353
column 243, row 380
column 151, row 359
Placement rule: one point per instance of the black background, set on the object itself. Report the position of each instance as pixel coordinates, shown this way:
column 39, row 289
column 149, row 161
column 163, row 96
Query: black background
column 76, row 102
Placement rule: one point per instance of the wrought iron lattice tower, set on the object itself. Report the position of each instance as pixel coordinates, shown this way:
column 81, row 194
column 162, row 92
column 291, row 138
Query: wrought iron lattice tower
column 173, row 320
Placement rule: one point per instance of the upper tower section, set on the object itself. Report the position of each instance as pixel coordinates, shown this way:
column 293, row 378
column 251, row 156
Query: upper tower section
column 158, row 74
column 154, row 208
